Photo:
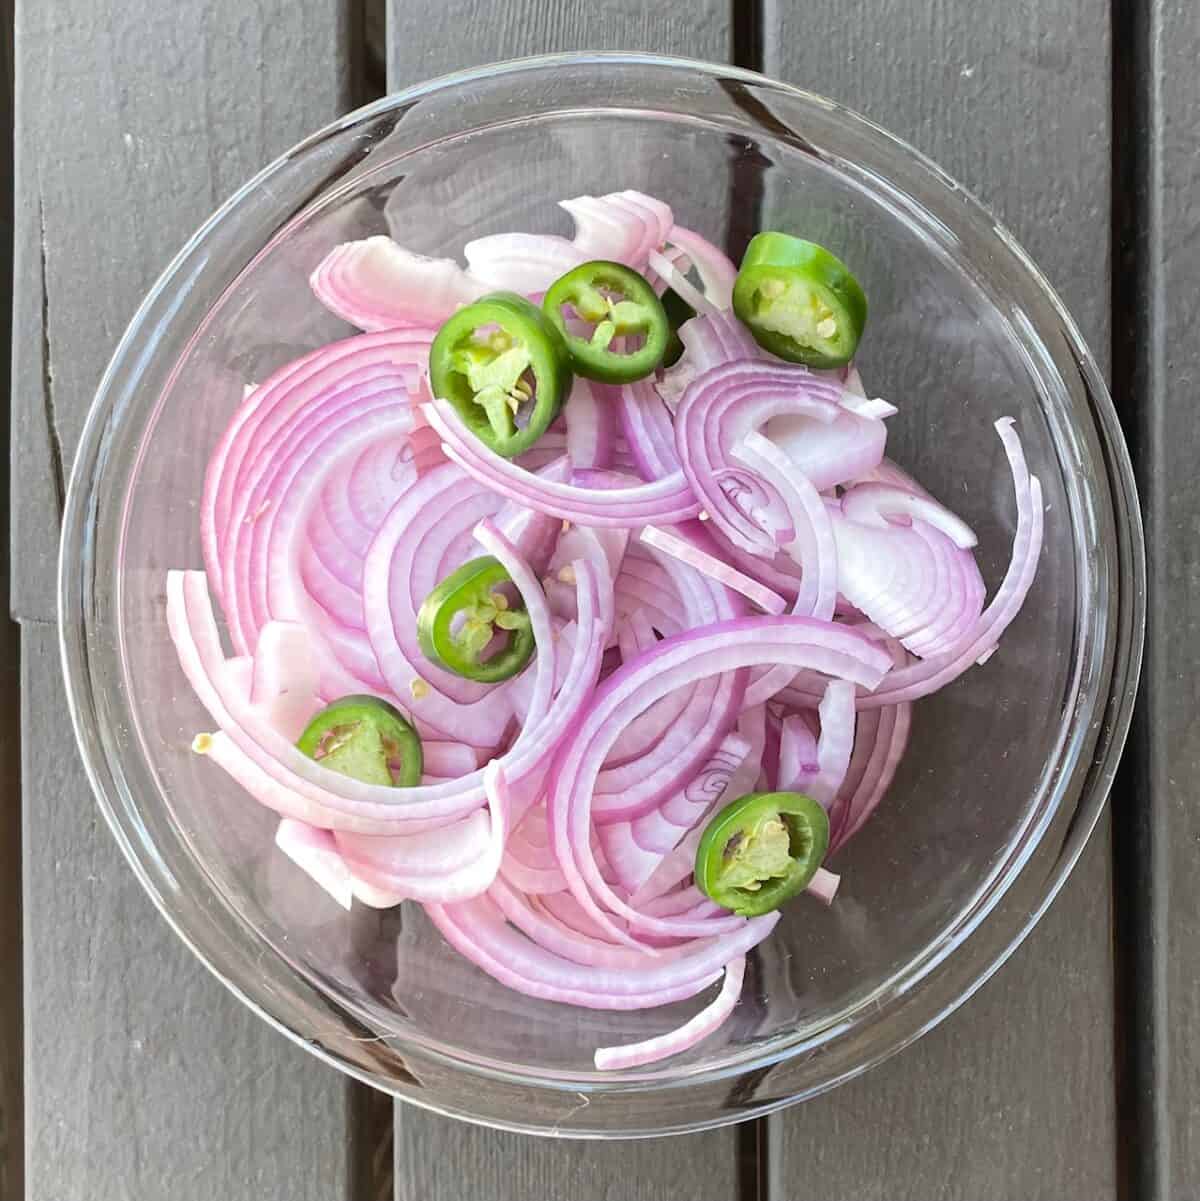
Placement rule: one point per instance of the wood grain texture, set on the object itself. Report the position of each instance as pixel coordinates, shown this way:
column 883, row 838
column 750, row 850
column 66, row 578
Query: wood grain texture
column 436, row 1159
column 1171, row 493
column 11, row 1132
column 11, row 1042
column 1013, row 1097
column 425, row 40
column 134, row 121
column 145, row 1078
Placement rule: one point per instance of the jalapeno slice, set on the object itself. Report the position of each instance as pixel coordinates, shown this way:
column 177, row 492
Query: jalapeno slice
column 504, row 368
column 761, row 850
column 678, row 311
column 618, row 304
column 799, row 301
column 367, row 739
column 474, row 625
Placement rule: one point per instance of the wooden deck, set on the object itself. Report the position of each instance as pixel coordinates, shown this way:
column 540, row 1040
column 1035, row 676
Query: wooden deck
column 1073, row 1075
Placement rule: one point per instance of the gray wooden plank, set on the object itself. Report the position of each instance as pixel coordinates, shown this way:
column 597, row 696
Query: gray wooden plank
column 134, row 121
column 1013, row 1097
column 425, row 40
column 11, row 1133
column 1171, row 698
column 437, row 1160
column 11, row 1107
column 143, row 1076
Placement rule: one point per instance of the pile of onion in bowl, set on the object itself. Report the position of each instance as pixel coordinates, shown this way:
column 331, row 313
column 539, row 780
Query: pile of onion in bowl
column 576, row 600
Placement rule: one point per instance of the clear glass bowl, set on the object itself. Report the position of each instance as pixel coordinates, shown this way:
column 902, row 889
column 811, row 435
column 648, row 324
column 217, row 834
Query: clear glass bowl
column 1007, row 771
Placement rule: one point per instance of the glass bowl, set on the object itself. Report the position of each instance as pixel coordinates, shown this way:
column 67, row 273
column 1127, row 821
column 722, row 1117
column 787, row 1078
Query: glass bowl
column 1007, row 770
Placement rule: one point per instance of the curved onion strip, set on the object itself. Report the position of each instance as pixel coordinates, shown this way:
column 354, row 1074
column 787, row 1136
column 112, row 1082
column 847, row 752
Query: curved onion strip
column 683, row 287
column 836, row 741
column 396, row 578
column 452, row 863
column 920, row 679
column 376, row 284
column 527, row 263
column 709, row 340
column 797, row 754
column 591, row 426
column 709, row 1019
column 713, row 567
column 648, row 430
column 478, row 930
column 717, row 272
column 315, row 853
column 635, row 787
column 292, row 388
column 623, row 226
column 880, row 756
column 632, row 858
column 876, row 504
column 717, row 411
column 667, row 500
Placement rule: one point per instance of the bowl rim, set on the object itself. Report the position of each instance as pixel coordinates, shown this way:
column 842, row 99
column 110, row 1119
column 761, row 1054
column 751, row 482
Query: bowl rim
column 1113, row 723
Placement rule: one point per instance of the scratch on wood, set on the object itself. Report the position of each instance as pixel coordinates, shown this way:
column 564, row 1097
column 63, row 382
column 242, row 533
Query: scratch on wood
column 56, row 451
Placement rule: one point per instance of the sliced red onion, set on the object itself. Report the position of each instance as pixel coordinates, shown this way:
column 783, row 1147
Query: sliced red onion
column 527, row 263
column 665, row 501
column 635, row 848
column 807, row 518
column 648, row 430
column 708, row 1020
column 893, row 476
column 678, row 282
column 451, row 863
column 713, row 567
column 633, row 788
column 881, row 504
column 911, row 581
column 829, row 452
column 717, row 272
column 798, row 763
column 824, row 886
column 709, row 340
column 674, row 663
column 272, row 770
column 716, row 413
column 315, row 853
column 882, row 739
column 920, row 679
column 532, row 918
column 398, row 573
column 876, row 408
column 261, row 441
column 478, row 930
column 529, row 864
column 284, row 682
column 591, row 426
column 836, row 741
column 623, row 227
column 376, row 284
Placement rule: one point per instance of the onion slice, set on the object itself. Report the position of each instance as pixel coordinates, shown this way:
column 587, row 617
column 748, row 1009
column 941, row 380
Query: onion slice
column 376, row 284
column 708, row 1020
